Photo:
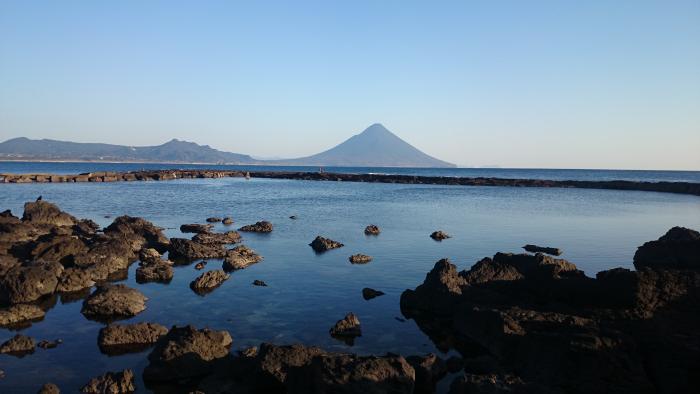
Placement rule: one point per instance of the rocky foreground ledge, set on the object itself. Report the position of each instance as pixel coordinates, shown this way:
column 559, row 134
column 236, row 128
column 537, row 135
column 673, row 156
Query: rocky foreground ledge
column 164, row 175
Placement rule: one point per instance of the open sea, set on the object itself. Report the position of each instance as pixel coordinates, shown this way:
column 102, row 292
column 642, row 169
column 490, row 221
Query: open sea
column 307, row 293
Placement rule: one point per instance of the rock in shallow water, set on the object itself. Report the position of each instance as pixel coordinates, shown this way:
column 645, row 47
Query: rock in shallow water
column 208, row 281
column 125, row 338
column 20, row 314
column 229, row 237
column 321, row 244
column 188, row 250
column 110, row 302
column 368, row 293
column 240, row 257
column 19, row 345
column 196, row 228
column 258, row 227
column 347, row 328
column 29, row 282
column 111, row 382
column 49, row 388
column 439, row 235
column 372, row 230
column 542, row 249
column 360, row 258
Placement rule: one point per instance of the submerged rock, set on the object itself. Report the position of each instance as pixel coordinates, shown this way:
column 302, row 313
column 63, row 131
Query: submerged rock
column 20, row 314
column 118, row 338
column 360, row 259
column 320, row 244
column 439, row 235
column 19, row 345
column 114, row 301
column 259, row 227
column 542, row 249
column 368, row 293
column 48, row 344
column 372, row 230
column 208, row 281
column 185, row 353
column 240, row 257
column 111, row 382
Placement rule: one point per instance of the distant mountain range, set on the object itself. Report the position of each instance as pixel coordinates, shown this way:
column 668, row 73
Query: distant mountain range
column 374, row 147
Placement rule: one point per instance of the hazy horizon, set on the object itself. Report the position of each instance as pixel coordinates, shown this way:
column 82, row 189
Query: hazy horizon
column 517, row 85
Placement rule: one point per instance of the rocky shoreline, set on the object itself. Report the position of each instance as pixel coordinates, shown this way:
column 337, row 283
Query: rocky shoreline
column 164, row 175
column 522, row 323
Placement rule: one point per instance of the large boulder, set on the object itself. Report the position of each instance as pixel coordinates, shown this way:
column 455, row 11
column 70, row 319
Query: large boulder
column 125, row 338
column 144, row 232
column 27, row 283
column 20, row 314
column 186, row 353
column 57, row 248
column 42, row 212
column 74, row 279
column 110, row 302
column 679, row 248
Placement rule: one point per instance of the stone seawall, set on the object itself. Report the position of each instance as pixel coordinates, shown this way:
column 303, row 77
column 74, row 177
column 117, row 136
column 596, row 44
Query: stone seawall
column 164, row 175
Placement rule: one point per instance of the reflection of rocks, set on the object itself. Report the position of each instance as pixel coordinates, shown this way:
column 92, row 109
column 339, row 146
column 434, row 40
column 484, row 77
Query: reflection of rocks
column 19, row 345
column 208, row 281
column 360, row 258
column 20, row 314
column 372, row 230
column 542, row 249
column 125, row 338
column 368, row 293
column 240, row 257
column 113, row 301
column 186, row 353
column 258, row 227
column 347, row 329
column 534, row 323
column 320, row 244
column 439, row 235
column 111, row 382
column 188, row 250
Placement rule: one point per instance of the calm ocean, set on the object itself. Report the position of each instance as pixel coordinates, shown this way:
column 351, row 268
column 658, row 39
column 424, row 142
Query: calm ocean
column 307, row 293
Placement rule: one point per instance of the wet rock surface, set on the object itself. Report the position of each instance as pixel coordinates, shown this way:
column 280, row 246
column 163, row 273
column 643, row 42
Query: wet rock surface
column 258, row 227
column 534, row 323
column 189, row 250
column 360, row 258
column 109, row 302
column 111, row 382
column 126, row 338
column 321, row 244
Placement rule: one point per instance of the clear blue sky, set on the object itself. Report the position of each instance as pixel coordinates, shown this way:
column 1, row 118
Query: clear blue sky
column 575, row 84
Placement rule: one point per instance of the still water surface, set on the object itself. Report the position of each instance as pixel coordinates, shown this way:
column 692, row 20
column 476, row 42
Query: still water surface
column 307, row 293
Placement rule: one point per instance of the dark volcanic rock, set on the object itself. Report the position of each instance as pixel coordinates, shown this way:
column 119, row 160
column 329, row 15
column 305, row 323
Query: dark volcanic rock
column 196, row 228
column 208, row 281
column 213, row 220
column 155, row 271
column 107, row 256
column 119, row 339
column 229, row 237
column 19, row 345
column 542, row 249
column 347, row 328
column 111, row 382
column 258, row 282
column 258, row 227
column 42, row 212
column 49, row 388
column 27, row 283
column 49, row 344
column 679, row 248
column 113, row 301
column 320, row 244
column 632, row 330
column 74, row 279
column 20, row 314
column 368, row 293
column 240, row 257
column 439, row 235
column 188, row 250
column 185, row 353
column 360, row 259
column 141, row 231
column 372, row 230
